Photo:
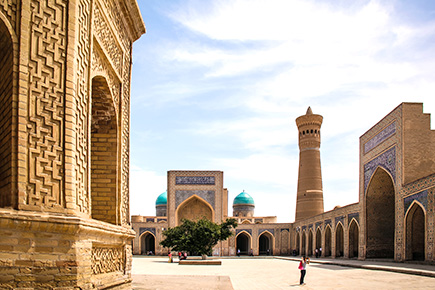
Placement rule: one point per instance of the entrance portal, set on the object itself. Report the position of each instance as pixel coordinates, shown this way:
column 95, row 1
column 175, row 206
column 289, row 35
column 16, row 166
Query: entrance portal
column 243, row 243
column 265, row 244
column 415, row 227
column 380, row 216
column 148, row 244
column 194, row 209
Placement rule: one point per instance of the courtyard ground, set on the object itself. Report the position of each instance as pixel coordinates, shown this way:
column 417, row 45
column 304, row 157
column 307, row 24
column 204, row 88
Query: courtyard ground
column 279, row 273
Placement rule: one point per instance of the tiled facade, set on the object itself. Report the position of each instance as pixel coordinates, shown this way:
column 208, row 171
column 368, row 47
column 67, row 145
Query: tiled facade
column 394, row 217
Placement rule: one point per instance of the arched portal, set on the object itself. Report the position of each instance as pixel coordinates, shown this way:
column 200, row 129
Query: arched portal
column 310, row 243
column 318, row 239
column 298, row 243
column 265, row 242
column 353, row 239
column 339, row 240
column 148, row 244
column 104, row 153
column 328, row 241
column 415, row 229
column 243, row 243
column 194, row 209
column 304, row 243
column 380, row 215
column 6, row 89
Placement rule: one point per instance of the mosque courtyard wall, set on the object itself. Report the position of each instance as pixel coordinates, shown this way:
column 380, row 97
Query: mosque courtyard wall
column 393, row 219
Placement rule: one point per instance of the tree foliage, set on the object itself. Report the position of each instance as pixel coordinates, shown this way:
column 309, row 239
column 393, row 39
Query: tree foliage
column 197, row 237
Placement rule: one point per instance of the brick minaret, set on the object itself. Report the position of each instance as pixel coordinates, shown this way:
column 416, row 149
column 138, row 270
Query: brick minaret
column 309, row 200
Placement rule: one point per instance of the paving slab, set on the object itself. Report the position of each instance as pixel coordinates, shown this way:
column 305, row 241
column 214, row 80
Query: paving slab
column 271, row 273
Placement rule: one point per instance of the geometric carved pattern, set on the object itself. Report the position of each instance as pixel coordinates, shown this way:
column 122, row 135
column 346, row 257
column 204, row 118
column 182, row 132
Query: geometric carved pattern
column 9, row 9
column 106, row 260
column 380, row 137
column 82, row 104
column 47, row 65
column 387, row 160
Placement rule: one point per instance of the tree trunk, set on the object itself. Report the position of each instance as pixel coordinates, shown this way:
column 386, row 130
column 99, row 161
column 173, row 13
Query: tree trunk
column 204, row 257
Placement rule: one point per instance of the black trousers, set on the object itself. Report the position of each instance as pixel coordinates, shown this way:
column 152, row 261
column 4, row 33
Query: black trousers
column 303, row 272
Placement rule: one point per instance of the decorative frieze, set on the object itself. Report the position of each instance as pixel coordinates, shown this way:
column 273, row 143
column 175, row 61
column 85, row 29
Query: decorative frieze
column 107, row 260
column 195, row 180
column 386, row 133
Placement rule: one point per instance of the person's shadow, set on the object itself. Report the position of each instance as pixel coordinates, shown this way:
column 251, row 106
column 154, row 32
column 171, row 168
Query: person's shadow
column 295, row 285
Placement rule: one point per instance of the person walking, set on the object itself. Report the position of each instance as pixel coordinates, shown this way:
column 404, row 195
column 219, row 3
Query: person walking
column 303, row 267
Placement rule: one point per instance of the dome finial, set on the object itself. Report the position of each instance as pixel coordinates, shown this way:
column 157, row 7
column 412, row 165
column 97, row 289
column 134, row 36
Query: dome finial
column 309, row 111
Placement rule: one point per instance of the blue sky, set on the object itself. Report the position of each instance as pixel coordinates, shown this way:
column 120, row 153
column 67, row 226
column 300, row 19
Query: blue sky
column 217, row 85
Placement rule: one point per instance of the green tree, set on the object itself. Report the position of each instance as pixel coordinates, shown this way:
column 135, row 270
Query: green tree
column 197, row 237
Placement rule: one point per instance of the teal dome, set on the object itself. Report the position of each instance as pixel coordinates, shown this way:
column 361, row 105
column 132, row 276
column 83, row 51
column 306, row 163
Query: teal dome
column 162, row 199
column 243, row 198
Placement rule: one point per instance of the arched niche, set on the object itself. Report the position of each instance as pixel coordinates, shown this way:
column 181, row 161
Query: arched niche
column 353, row 239
column 104, row 154
column 380, row 215
column 243, row 243
column 328, row 241
column 310, row 243
column 265, row 243
column 147, row 244
column 318, row 239
column 298, row 243
column 304, row 244
column 6, row 115
column 415, row 222
column 339, row 240
column 194, row 208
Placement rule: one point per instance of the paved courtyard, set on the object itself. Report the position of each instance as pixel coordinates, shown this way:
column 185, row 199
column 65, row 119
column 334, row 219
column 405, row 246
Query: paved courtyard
column 239, row 274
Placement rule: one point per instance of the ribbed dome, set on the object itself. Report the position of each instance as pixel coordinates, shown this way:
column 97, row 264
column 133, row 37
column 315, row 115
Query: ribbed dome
column 243, row 198
column 162, row 199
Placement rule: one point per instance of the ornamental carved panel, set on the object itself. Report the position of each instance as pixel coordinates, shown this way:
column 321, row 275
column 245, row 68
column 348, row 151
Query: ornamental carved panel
column 107, row 260
column 45, row 126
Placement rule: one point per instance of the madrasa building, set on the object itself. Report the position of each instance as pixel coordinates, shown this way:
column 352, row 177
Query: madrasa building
column 393, row 219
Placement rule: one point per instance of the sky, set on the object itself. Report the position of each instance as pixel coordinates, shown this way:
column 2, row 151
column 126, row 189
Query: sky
column 217, row 85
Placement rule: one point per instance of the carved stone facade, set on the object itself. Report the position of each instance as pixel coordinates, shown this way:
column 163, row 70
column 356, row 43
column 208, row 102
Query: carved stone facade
column 64, row 118
column 394, row 217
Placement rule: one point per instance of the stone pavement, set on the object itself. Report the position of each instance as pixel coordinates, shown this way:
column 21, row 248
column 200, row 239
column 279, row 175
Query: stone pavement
column 278, row 273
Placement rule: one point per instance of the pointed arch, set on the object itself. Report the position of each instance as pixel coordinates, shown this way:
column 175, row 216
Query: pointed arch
column 310, row 242
column 328, row 241
column 339, row 240
column 380, row 215
column 353, row 238
column 298, row 243
column 265, row 243
column 318, row 239
column 104, row 154
column 147, row 242
column 304, row 244
column 415, row 229
column 243, row 242
column 246, row 222
column 194, row 208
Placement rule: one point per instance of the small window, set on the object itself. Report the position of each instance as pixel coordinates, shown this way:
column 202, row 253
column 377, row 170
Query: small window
column 303, row 132
column 311, row 131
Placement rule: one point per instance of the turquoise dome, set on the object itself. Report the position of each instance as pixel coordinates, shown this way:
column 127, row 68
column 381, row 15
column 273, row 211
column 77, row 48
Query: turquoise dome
column 243, row 198
column 162, row 199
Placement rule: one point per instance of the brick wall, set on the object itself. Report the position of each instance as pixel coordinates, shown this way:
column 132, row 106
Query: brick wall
column 103, row 154
column 6, row 70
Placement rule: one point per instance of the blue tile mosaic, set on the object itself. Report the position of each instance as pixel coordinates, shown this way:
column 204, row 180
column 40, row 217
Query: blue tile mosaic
column 151, row 230
column 327, row 222
column 182, row 195
column 283, row 230
column 258, row 220
column 310, row 226
column 389, row 131
column 353, row 215
column 304, row 228
column 318, row 224
column 150, row 220
column 421, row 197
column 339, row 219
column 241, row 230
column 272, row 231
column 161, row 220
column 386, row 160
